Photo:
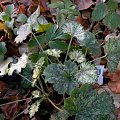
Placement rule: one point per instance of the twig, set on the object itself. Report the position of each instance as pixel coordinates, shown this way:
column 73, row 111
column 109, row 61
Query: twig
column 55, row 105
column 15, row 101
column 98, row 58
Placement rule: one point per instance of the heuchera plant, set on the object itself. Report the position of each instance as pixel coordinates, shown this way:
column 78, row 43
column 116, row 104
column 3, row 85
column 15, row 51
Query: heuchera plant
column 51, row 57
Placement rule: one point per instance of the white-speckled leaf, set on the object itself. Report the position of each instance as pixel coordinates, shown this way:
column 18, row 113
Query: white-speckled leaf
column 23, row 32
column 75, row 30
column 87, row 73
column 62, row 76
column 22, row 61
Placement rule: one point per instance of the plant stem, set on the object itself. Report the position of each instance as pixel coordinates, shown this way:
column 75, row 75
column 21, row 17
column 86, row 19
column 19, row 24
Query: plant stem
column 55, row 105
column 68, row 48
column 98, row 58
column 15, row 101
column 29, row 81
column 37, row 41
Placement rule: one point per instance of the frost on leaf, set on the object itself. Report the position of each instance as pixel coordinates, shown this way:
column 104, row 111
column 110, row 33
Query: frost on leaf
column 22, row 32
column 112, row 50
column 86, row 104
column 75, row 30
column 77, row 56
column 37, row 70
column 87, row 73
column 22, row 61
column 26, row 29
column 53, row 52
column 4, row 66
column 34, row 108
column 32, row 20
column 62, row 76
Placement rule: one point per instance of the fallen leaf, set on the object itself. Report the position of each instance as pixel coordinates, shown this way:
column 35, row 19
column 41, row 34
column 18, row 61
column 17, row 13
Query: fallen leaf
column 25, row 2
column 22, row 9
column 114, row 86
column 10, row 110
column 3, row 88
column 83, row 4
column 114, row 76
column 86, row 14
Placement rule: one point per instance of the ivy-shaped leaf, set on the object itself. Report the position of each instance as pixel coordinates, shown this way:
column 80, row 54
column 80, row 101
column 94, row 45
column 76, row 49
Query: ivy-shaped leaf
column 62, row 76
column 9, row 9
column 75, row 30
column 86, row 104
column 87, row 73
column 59, row 115
column 92, row 44
column 21, row 18
column 112, row 50
column 100, row 12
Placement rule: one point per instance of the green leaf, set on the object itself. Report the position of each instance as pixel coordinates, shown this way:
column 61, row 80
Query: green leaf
column 100, row 12
column 44, row 27
column 21, row 18
column 86, row 104
column 59, row 115
column 112, row 20
column 36, row 56
column 33, row 43
column 75, row 30
column 112, row 5
column 9, row 9
column 62, row 76
column 54, row 34
column 3, row 49
column 27, row 72
column 1, row 58
column 1, row 117
column 60, row 45
column 112, row 50
column 92, row 44
column 10, row 24
column 58, row 4
column 87, row 73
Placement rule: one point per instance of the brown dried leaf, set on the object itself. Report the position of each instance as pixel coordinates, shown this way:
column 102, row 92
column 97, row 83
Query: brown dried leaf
column 83, row 4
column 10, row 110
column 3, row 88
column 114, row 76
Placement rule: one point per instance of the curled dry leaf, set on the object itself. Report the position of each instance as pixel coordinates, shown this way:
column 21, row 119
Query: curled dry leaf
column 83, row 4
column 114, row 84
